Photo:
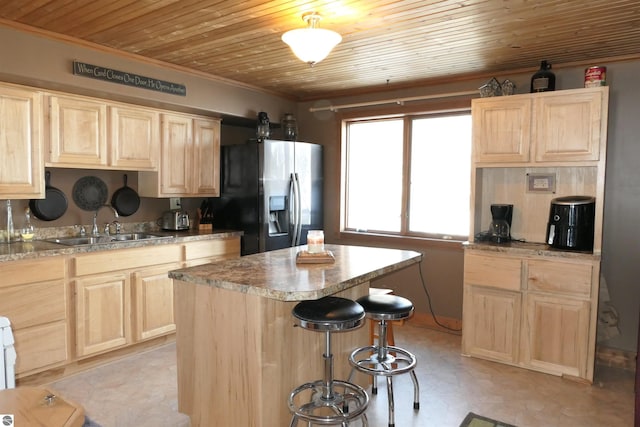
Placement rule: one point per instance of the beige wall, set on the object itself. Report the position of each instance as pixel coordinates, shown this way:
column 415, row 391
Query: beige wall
column 46, row 63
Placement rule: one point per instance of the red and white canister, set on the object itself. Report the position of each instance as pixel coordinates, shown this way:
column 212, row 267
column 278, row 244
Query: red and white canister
column 595, row 76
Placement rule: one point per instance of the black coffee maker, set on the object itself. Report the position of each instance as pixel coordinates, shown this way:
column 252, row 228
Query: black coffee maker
column 500, row 227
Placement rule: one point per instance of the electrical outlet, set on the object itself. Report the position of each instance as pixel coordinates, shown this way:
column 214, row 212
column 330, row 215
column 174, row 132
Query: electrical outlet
column 174, row 203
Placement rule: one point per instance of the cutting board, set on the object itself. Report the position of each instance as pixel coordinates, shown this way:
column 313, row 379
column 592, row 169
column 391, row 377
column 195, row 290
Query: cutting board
column 34, row 406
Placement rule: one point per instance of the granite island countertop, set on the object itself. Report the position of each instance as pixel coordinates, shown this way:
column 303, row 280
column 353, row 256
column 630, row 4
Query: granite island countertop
column 276, row 275
column 43, row 248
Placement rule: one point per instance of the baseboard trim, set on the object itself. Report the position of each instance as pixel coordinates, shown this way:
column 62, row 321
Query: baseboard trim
column 426, row 320
column 615, row 357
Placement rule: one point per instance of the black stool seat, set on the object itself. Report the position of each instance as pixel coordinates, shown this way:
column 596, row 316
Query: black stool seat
column 329, row 314
column 386, row 307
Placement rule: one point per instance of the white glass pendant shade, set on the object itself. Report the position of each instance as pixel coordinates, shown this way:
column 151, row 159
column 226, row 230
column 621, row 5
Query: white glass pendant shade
column 311, row 44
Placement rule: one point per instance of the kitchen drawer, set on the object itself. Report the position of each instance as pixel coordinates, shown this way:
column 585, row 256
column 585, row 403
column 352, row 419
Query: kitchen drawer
column 31, row 271
column 29, row 305
column 561, row 277
column 493, row 271
column 218, row 248
column 41, row 346
column 124, row 259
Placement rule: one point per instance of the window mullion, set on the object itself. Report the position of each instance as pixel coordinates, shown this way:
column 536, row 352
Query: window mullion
column 406, row 178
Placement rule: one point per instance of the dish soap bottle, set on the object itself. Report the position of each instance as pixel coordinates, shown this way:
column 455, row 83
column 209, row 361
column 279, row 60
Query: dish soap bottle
column 27, row 231
column 543, row 80
column 10, row 230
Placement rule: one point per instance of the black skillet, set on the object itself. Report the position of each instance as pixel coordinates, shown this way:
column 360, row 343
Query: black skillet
column 54, row 204
column 125, row 200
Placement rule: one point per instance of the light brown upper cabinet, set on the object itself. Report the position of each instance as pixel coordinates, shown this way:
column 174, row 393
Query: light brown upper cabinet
column 568, row 127
column 542, row 128
column 21, row 160
column 134, row 137
column 93, row 133
column 190, row 159
column 77, row 132
column 502, row 129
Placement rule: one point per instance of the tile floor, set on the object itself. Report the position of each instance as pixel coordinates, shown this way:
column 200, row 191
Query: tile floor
column 140, row 391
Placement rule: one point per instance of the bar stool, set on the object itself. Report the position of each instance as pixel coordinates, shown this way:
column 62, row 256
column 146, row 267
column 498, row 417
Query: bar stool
column 327, row 405
column 382, row 359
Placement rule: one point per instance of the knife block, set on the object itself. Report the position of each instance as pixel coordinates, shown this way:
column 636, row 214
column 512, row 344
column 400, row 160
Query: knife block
column 205, row 227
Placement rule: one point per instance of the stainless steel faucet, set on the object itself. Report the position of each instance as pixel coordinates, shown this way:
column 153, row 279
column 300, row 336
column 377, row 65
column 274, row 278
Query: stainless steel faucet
column 94, row 229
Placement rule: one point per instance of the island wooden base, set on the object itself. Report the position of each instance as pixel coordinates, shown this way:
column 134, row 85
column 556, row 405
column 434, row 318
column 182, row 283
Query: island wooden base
column 239, row 356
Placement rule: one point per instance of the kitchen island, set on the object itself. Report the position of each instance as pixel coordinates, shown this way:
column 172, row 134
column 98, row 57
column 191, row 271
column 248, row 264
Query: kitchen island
column 239, row 354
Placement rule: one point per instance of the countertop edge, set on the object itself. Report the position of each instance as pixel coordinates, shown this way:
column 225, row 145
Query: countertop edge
column 529, row 249
column 41, row 248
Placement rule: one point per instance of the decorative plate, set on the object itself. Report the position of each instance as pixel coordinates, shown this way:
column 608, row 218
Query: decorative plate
column 89, row 193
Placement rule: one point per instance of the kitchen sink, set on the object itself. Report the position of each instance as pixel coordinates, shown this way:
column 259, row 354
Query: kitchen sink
column 78, row 241
column 136, row 236
column 97, row 240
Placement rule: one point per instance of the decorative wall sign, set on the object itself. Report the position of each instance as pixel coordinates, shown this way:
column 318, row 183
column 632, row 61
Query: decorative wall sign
column 128, row 79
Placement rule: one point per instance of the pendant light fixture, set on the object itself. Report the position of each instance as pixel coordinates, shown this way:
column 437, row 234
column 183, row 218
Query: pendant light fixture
column 311, row 44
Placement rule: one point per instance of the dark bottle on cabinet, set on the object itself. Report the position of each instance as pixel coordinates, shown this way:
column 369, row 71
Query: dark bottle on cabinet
column 543, row 80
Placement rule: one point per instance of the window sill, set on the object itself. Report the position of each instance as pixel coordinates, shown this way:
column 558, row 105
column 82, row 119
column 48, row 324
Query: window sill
column 409, row 242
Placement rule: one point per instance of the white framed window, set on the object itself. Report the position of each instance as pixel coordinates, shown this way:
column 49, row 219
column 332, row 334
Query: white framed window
column 407, row 175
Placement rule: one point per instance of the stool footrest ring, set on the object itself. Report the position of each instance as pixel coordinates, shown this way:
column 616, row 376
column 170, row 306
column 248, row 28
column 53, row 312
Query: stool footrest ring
column 338, row 403
column 396, row 361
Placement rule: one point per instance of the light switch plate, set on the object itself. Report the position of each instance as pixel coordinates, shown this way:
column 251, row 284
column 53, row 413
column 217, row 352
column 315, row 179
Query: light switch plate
column 541, row 183
column 174, row 203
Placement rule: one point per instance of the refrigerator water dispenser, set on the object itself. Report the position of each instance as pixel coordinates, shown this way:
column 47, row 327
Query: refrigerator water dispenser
column 278, row 218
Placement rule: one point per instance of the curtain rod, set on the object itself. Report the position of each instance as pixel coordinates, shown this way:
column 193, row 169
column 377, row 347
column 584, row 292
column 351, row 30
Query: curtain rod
column 399, row 101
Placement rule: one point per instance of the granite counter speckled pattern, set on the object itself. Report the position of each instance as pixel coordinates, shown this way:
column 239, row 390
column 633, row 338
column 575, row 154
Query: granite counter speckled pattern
column 528, row 249
column 42, row 248
column 276, row 275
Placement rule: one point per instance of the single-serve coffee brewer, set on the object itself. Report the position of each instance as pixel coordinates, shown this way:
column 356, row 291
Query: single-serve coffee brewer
column 500, row 227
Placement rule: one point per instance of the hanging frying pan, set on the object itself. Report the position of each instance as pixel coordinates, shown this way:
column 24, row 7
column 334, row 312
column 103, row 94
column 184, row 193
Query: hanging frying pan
column 54, row 204
column 125, row 200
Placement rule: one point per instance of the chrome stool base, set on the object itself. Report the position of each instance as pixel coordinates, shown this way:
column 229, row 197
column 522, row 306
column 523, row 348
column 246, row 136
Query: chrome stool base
column 382, row 359
column 319, row 402
column 338, row 408
column 395, row 362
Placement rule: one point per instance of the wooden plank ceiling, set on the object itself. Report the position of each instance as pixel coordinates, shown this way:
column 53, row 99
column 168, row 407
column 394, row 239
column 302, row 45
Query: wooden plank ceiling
column 392, row 43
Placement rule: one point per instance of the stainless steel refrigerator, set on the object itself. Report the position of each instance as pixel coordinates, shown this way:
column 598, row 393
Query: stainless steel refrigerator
column 271, row 190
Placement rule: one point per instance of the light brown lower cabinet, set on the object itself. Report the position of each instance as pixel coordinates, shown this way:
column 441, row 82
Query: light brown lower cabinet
column 492, row 331
column 102, row 313
column 33, row 297
column 203, row 252
column 69, row 308
column 104, row 295
column 532, row 311
column 153, row 302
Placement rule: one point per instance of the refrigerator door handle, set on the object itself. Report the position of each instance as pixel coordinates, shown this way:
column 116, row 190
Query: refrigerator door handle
column 295, row 210
column 298, row 209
